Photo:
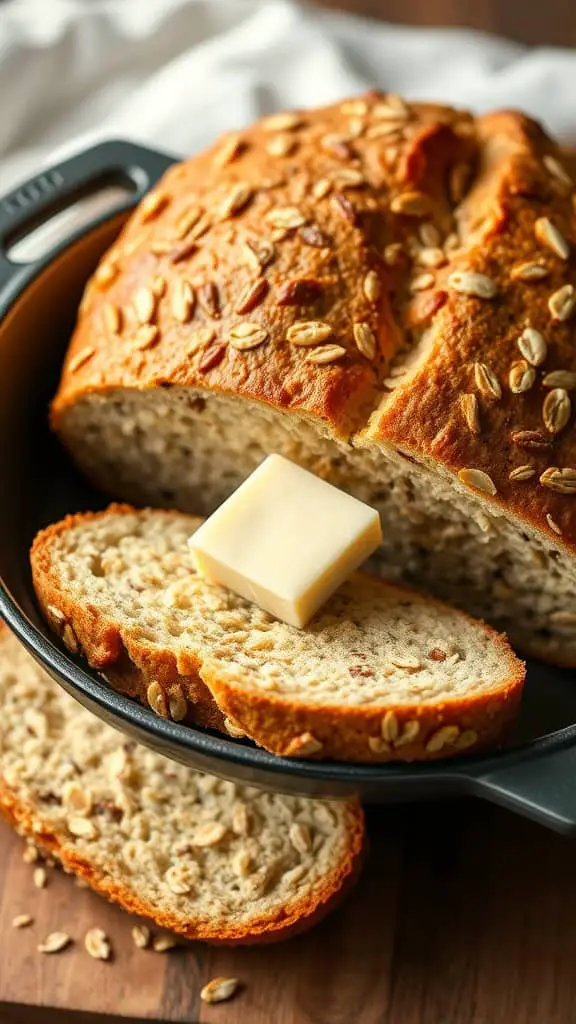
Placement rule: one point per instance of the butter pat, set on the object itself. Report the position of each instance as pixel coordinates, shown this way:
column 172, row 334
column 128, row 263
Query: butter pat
column 285, row 540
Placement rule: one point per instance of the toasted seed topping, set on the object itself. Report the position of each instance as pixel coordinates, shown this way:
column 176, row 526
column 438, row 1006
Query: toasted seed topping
column 378, row 746
column 237, row 199
column 219, row 989
column 106, row 272
column 529, row 271
column 252, row 296
column 384, row 129
column 421, row 282
column 157, row 699
column 183, row 299
column 549, row 235
column 393, row 253
column 521, row 376
column 146, row 337
column 81, row 358
column 152, row 205
column 229, row 150
column 281, row 145
column 54, row 943
column 161, row 246
column 553, row 524
column 285, row 217
column 486, row 381
column 285, row 122
column 560, row 379
column 471, row 412
column 304, row 745
column 429, row 235
column 186, row 221
column 158, row 286
column 82, row 828
column 411, row 204
column 342, row 206
column 389, row 727
column 558, row 171
column 365, row 340
column 431, row 256
column 141, row 936
column 298, row 292
column 327, row 354
column 566, row 619
column 258, row 253
column 308, row 332
column 321, row 188
column 348, row 177
column 468, row 282
column 525, row 472
column 563, row 481
column 97, row 944
column 247, row 335
column 354, row 108
column 445, row 736
column 209, row 299
column 532, row 345
column 477, row 479
column 451, row 243
column 338, row 146
column 556, row 410
column 22, row 920
column 312, row 235
column 211, row 358
column 532, row 439
column 233, row 730
column 112, row 316
column 393, row 106
column 145, row 305
column 466, row 739
column 562, row 302
column 408, row 735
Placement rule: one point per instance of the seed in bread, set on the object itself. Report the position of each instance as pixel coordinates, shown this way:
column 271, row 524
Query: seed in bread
column 146, row 819
column 366, row 667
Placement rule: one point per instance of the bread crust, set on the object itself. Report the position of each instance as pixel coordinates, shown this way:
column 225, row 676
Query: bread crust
column 284, row 727
column 300, row 916
column 493, row 176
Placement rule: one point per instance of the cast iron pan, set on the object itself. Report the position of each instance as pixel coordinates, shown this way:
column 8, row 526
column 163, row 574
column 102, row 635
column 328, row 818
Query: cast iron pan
column 535, row 776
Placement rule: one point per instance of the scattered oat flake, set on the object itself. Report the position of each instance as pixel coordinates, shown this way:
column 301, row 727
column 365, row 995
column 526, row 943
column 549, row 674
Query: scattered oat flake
column 97, row 944
column 486, row 381
column 284, row 122
column 22, row 920
column 469, row 282
column 326, row 354
column 219, row 990
column 471, row 412
column 532, row 345
column 556, row 410
column 141, row 936
column 162, row 943
column 40, row 878
column 563, row 481
column 529, row 271
column 549, row 235
column 54, row 943
column 411, row 204
column 81, row 358
column 553, row 524
column 562, row 303
column 525, row 472
column 152, row 204
column 477, row 480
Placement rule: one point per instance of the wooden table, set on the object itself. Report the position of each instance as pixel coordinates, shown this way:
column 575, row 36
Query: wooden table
column 464, row 915
column 529, row 21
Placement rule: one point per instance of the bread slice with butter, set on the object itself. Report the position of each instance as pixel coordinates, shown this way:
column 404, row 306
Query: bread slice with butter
column 207, row 858
column 381, row 673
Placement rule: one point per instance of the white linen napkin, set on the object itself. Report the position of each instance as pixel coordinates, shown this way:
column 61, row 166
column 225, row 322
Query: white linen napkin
column 175, row 73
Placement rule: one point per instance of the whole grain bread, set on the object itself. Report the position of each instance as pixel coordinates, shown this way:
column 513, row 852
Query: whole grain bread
column 381, row 291
column 207, row 858
column 381, row 673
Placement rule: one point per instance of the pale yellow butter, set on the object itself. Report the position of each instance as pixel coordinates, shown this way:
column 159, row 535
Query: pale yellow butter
column 286, row 540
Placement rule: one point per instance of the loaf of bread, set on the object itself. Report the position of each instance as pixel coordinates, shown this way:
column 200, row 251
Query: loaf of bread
column 381, row 673
column 384, row 293
column 207, row 858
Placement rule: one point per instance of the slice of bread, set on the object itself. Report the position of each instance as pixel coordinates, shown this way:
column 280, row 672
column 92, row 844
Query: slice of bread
column 207, row 858
column 381, row 673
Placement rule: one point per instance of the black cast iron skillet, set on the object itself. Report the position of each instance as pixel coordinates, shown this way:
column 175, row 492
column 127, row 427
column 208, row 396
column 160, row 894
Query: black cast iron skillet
column 536, row 776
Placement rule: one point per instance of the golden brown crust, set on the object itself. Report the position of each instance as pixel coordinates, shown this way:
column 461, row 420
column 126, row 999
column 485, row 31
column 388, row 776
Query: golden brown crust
column 298, row 918
column 342, row 732
column 339, row 176
column 125, row 660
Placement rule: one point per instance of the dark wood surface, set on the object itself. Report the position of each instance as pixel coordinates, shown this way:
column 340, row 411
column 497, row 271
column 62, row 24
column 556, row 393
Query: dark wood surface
column 464, row 915
column 529, row 21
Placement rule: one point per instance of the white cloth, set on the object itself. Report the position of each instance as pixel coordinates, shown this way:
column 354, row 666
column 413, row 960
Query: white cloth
column 174, row 73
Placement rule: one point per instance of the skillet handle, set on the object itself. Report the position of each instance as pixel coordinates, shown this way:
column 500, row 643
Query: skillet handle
column 543, row 789
column 134, row 167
